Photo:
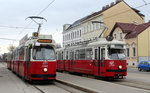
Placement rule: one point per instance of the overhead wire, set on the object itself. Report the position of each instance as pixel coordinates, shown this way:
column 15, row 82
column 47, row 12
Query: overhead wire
column 46, row 7
column 144, row 2
column 8, row 39
column 2, row 26
column 53, row 2
column 37, row 15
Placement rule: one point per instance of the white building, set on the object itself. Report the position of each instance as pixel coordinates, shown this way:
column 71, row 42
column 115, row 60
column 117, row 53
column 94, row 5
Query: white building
column 72, row 33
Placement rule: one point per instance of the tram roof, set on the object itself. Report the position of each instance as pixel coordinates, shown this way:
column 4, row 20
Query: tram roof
column 33, row 40
column 103, row 41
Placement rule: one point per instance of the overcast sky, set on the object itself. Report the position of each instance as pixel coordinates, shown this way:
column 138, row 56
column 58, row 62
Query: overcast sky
column 14, row 12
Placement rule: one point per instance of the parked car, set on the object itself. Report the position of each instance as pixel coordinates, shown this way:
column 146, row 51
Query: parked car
column 144, row 65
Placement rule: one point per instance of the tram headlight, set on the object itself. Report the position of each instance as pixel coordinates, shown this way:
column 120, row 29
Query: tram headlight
column 120, row 66
column 45, row 69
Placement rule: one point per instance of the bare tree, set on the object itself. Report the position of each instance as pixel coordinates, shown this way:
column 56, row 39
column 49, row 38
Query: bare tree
column 11, row 48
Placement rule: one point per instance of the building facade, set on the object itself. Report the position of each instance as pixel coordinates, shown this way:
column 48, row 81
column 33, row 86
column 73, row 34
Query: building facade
column 83, row 29
column 136, row 38
column 72, row 33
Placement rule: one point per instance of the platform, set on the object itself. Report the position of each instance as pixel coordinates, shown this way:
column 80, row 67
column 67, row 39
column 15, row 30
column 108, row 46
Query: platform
column 97, row 85
column 10, row 83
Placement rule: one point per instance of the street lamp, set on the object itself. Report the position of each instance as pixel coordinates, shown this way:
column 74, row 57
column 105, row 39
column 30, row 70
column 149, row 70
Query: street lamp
column 108, row 38
column 100, row 22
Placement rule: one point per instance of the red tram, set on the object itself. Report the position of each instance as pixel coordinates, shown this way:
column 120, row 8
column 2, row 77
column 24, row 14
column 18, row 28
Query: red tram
column 101, row 59
column 34, row 58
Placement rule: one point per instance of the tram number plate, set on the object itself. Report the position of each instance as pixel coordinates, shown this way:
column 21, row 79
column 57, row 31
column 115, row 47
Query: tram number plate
column 44, row 65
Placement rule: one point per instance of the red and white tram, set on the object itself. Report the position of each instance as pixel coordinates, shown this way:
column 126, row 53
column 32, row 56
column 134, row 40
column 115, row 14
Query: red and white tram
column 101, row 58
column 34, row 58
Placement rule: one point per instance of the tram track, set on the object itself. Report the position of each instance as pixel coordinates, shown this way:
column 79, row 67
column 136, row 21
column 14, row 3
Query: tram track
column 56, row 87
column 38, row 89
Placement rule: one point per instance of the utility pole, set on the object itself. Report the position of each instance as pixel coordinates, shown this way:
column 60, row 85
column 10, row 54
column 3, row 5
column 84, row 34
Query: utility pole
column 38, row 23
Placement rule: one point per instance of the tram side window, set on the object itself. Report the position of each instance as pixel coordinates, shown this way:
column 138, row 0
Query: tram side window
column 103, row 53
column 72, row 55
column 82, row 54
column 96, row 54
column 27, row 54
column 77, row 54
column 21, row 53
column 59, row 56
column 62, row 56
column 89, row 53
column 67, row 55
column 56, row 56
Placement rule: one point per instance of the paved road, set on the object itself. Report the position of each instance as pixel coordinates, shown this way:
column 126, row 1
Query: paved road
column 134, row 74
column 135, row 70
column 136, row 79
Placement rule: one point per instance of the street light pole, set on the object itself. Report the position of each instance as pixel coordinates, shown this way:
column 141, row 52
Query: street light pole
column 100, row 23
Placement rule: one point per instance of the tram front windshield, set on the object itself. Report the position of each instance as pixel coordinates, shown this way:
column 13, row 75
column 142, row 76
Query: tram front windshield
column 118, row 54
column 43, row 53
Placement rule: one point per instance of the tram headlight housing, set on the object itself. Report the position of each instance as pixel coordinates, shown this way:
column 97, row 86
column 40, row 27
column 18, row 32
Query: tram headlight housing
column 45, row 69
column 120, row 66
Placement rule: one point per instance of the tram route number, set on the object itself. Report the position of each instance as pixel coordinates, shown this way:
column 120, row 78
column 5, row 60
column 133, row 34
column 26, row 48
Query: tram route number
column 45, row 64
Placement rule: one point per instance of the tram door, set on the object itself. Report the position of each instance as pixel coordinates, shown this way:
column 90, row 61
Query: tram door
column 99, row 61
column 27, row 61
column 71, row 60
column 102, row 61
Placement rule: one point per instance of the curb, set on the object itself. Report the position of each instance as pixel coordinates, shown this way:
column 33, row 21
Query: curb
column 83, row 88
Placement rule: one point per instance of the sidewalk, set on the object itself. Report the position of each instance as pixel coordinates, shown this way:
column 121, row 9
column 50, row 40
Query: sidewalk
column 10, row 83
column 97, row 85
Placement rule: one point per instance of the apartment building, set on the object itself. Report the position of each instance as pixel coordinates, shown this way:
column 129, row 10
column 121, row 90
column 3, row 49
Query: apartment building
column 83, row 29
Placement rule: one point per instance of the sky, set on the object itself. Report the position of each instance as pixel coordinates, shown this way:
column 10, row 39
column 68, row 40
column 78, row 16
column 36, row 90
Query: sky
column 60, row 12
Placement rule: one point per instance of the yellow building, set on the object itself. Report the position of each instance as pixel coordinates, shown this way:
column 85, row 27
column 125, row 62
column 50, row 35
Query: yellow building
column 137, row 40
column 83, row 29
column 119, row 11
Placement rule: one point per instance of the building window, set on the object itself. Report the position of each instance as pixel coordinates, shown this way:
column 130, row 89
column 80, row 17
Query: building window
column 91, row 27
column 121, row 36
column 114, row 36
column 80, row 33
column 71, row 35
column 128, row 52
column 74, row 34
column 94, row 26
column 134, row 51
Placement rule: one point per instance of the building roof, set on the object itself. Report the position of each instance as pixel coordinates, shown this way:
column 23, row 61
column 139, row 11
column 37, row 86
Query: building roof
column 78, row 22
column 131, row 30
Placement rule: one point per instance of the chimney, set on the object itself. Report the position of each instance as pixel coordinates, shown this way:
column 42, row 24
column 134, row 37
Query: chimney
column 107, row 6
column 117, row 1
column 112, row 4
column 103, row 8
column 65, row 27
